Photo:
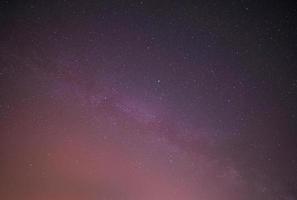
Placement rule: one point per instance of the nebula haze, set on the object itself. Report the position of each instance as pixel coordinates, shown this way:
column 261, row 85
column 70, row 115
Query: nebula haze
column 147, row 100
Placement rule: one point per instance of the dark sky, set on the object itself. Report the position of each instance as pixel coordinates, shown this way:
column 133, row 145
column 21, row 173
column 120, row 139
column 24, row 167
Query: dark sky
column 148, row 100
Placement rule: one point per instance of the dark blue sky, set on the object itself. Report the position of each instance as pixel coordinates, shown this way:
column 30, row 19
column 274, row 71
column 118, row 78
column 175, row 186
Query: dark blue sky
column 200, row 95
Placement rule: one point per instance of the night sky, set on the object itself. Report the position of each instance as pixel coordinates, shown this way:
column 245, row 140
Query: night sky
column 148, row 100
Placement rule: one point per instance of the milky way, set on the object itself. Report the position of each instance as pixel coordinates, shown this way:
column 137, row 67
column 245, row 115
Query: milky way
column 142, row 100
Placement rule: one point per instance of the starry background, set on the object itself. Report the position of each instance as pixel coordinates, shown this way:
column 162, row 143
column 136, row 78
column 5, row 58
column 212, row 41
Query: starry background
column 148, row 100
